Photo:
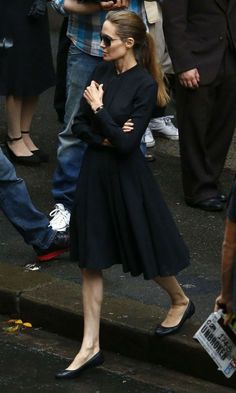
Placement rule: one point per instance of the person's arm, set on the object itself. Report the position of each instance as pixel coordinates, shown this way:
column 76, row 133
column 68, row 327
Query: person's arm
column 125, row 137
column 125, row 142
column 81, row 127
column 88, row 7
column 224, row 300
column 66, row 7
column 175, row 19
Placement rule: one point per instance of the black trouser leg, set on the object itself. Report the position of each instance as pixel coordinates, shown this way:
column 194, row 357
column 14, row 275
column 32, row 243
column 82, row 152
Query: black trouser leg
column 206, row 119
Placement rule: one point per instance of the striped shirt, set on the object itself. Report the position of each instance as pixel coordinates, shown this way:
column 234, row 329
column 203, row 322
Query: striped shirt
column 84, row 30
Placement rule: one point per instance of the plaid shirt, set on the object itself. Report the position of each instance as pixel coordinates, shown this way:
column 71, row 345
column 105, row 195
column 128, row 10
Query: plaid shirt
column 84, row 30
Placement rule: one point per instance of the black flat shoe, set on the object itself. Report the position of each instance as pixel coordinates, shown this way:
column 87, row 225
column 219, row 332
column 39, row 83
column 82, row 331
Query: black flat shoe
column 213, row 204
column 40, row 154
column 164, row 331
column 95, row 361
column 43, row 157
column 23, row 160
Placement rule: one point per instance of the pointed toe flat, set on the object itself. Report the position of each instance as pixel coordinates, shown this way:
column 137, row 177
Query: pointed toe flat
column 164, row 331
column 95, row 361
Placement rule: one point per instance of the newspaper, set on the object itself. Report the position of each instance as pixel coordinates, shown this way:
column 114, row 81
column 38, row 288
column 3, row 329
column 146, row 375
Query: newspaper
column 219, row 341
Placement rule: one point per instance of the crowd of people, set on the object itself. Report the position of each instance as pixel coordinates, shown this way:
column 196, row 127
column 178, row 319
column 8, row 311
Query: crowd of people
column 114, row 80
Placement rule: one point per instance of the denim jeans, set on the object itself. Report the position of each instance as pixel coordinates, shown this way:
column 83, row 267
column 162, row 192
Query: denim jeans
column 71, row 150
column 143, row 148
column 16, row 204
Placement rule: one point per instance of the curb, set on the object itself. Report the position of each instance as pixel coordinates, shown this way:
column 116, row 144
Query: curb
column 126, row 325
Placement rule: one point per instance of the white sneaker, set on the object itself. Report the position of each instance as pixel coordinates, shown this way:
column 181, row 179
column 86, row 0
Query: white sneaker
column 61, row 218
column 165, row 127
column 148, row 138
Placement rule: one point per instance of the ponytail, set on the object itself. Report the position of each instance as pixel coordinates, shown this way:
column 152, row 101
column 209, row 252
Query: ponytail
column 129, row 24
column 147, row 57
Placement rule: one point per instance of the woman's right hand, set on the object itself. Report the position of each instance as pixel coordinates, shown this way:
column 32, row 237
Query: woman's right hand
column 128, row 126
column 94, row 95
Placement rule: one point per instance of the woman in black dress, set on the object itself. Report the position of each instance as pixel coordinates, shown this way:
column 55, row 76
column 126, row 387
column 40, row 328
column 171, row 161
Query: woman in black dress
column 26, row 70
column 119, row 215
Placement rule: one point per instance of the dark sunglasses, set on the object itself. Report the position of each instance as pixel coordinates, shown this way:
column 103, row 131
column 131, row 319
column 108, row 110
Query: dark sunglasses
column 107, row 40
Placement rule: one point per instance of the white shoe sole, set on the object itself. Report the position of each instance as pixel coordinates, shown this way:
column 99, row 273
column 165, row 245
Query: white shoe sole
column 166, row 136
column 150, row 144
column 63, row 229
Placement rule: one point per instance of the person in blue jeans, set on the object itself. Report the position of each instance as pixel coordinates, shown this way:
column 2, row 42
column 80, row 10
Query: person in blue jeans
column 33, row 225
column 85, row 20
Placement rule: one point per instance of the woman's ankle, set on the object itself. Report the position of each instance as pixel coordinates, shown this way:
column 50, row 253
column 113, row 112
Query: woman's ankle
column 28, row 141
column 180, row 301
column 82, row 357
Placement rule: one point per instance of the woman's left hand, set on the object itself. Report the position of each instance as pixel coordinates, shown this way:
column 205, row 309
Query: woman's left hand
column 128, row 126
column 94, row 95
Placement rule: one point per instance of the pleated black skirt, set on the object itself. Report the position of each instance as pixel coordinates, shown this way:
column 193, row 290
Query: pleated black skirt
column 120, row 217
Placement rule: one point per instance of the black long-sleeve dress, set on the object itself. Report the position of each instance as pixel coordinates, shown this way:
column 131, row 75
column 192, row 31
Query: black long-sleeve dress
column 26, row 69
column 119, row 214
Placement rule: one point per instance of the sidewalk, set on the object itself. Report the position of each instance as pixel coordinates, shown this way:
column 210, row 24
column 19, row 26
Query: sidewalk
column 51, row 297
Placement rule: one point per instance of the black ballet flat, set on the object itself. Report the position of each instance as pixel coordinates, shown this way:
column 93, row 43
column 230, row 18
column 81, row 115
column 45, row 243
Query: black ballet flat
column 43, row 157
column 164, row 331
column 95, row 361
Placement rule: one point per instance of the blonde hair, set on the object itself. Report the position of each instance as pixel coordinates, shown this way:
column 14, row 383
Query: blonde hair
column 129, row 24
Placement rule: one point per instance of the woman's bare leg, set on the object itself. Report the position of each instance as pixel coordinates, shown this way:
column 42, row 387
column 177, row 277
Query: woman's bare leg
column 179, row 301
column 92, row 291
column 28, row 109
column 13, row 110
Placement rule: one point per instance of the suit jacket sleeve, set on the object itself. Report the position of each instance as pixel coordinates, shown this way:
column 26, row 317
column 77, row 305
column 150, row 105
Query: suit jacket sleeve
column 175, row 18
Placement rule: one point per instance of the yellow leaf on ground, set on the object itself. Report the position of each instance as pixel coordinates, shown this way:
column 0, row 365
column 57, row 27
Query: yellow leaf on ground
column 18, row 322
column 27, row 324
column 12, row 329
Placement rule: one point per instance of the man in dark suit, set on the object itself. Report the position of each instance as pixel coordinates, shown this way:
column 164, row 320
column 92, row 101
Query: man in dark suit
column 201, row 39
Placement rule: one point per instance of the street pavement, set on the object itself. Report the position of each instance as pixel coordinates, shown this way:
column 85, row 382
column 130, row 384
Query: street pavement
column 31, row 357
column 51, row 297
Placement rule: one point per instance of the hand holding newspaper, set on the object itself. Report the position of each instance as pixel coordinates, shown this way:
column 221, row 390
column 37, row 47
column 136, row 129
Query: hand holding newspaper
column 219, row 341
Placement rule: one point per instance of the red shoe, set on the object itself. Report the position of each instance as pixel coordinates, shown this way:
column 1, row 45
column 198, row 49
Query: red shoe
column 59, row 245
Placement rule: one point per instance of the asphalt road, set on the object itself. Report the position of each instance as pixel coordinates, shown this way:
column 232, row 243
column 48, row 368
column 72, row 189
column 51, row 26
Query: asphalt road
column 30, row 359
